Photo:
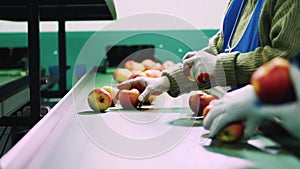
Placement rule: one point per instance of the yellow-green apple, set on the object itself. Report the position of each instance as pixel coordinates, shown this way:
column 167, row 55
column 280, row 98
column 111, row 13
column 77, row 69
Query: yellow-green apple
column 99, row 99
column 272, row 82
column 199, row 101
column 121, row 74
column 148, row 63
column 113, row 93
column 129, row 98
column 167, row 64
column 153, row 73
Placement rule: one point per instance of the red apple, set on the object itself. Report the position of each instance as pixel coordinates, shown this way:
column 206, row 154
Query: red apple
column 139, row 86
column 138, row 66
column 99, row 99
column 129, row 98
column 148, row 64
column 153, row 73
column 194, row 103
column 137, row 74
column 203, row 78
column 133, row 65
column 199, row 101
column 150, row 100
column 272, row 82
column 206, row 110
column 158, row 66
column 167, row 64
column 121, row 74
column 113, row 93
column 231, row 133
column 129, row 64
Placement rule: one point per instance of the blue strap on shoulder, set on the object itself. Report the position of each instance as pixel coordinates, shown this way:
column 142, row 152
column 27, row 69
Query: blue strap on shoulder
column 250, row 38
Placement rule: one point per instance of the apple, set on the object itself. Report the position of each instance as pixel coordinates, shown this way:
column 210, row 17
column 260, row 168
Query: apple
column 153, row 73
column 167, row 64
column 206, row 110
column 99, row 99
column 138, row 66
column 113, row 93
column 199, row 101
column 272, row 82
column 129, row 98
column 121, row 74
column 133, row 65
column 194, row 103
column 128, row 64
column 231, row 133
column 137, row 74
column 158, row 66
column 203, row 78
column 148, row 64
column 150, row 100
column 139, row 86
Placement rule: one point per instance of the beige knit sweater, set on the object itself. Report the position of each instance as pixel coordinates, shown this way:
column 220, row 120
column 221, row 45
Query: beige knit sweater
column 279, row 35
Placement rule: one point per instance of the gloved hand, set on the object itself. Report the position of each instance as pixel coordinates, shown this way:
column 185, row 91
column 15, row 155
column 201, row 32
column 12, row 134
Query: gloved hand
column 153, row 86
column 288, row 114
column 189, row 55
column 201, row 66
column 238, row 105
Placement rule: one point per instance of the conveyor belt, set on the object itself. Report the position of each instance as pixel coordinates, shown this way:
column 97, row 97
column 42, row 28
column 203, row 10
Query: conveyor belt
column 14, row 92
column 72, row 136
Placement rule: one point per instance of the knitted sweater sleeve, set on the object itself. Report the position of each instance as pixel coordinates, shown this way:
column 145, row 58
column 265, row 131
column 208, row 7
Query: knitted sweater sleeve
column 279, row 32
column 179, row 83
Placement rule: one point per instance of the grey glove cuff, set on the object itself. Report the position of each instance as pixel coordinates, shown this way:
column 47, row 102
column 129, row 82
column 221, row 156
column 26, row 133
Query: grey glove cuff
column 225, row 70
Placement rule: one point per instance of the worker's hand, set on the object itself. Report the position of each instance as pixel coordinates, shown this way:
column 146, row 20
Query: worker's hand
column 153, row 86
column 238, row 105
column 189, row 55
column 289, row 113
column 200, row 66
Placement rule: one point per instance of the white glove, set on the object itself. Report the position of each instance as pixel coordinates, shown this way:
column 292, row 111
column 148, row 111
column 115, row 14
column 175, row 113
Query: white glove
column 189, row 55
column 153, row 86
column 289, row 113
column 238, row 105
column 200, row 63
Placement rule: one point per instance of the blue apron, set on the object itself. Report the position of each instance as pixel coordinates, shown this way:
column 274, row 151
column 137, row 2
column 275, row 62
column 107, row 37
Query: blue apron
column 249, row 40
